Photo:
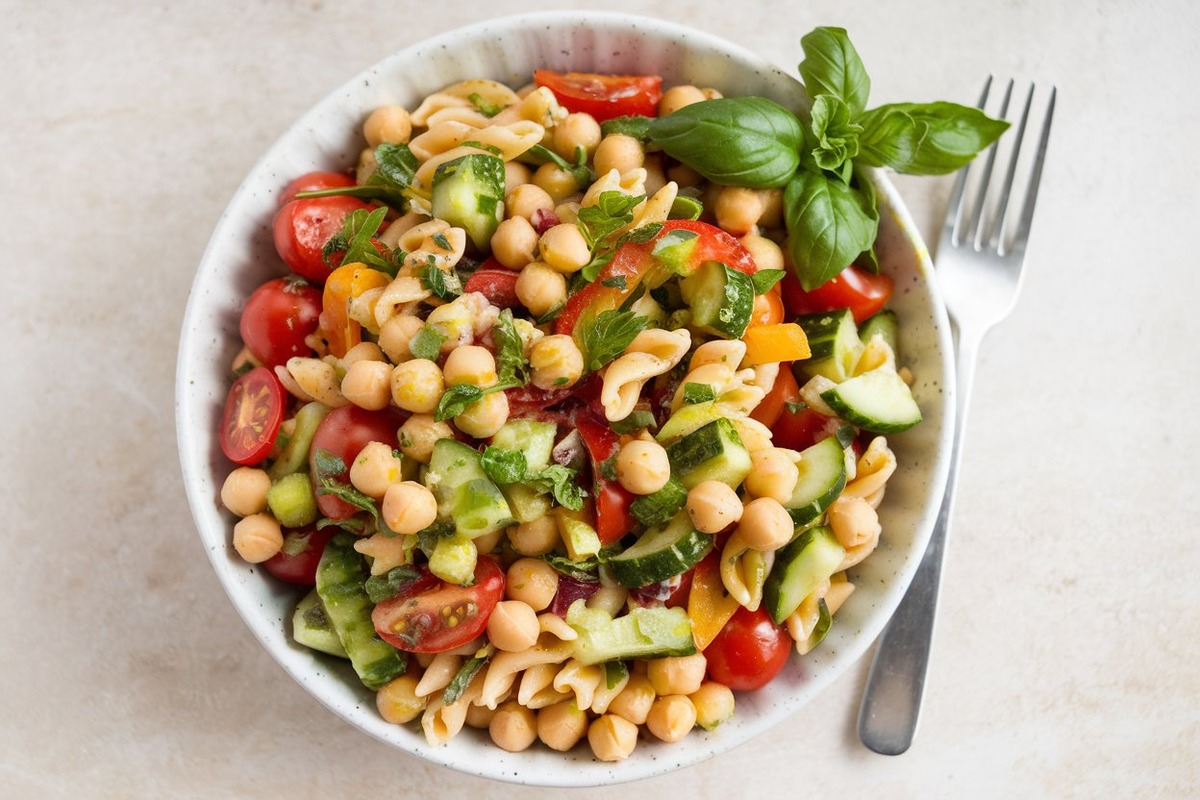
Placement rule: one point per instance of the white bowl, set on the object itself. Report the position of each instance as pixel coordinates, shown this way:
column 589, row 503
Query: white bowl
column 241, row 256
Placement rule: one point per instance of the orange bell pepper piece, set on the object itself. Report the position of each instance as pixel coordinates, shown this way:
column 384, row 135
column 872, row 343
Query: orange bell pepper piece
column 769, row 344
column 343, row 285
column 709, row 607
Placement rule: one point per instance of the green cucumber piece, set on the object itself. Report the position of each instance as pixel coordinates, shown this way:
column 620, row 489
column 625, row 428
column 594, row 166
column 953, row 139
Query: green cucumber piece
column 833, row 340
column 800, row 567
column 464, row 493
column 686, row 419
column 468, row 192
column 645, row 632
column 294, row 455
column 341, row 573
column 721, row 299
column 453, row 559
column 291, row 500
column 311, row 627
column 532, row 438
column 659, row 507
column 822, row 478
column 638, row 418
column 821, row 629
column 526, row 502
column 884, row 324
column 660, row 553
column 878, row 401
column 712, row 452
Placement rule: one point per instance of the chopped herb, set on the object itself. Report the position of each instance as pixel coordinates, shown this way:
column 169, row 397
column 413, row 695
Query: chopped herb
column 504, row 466
column 615, row 282
column 562, row 484
column 427, row 343
column 765, row 279
column 612, row 211
column 462, row 679
column 698, row 393
column 327, row 464
column 608, row 337
column 614, row 673
column 391, row 583
column 636, row 126
column 444, row 283
column 457, row 397
column 355, row 241
column 488, row 109
column 511, row 364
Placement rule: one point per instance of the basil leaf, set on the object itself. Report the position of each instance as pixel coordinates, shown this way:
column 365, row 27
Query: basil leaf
column 511, row 364
column 926, row 138
column 636, row 126
column 836, row 136
column 828, row 223
column 765, row 279
column 504, row 466
column 735, row 141
column 608, row 336
column 831, row 66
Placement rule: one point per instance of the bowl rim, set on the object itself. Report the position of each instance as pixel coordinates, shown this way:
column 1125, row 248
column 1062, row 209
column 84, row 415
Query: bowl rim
column 263, row 626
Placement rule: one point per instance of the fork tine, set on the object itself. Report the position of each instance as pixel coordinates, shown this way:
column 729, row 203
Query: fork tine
column 1000, row 235
column 1035, row 178
column 956, row 197
column 977, row 215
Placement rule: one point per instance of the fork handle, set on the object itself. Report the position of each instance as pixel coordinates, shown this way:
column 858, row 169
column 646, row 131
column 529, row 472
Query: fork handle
column 891, row 704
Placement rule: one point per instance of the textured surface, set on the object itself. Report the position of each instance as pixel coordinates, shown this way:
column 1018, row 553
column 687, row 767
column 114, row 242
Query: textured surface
column 1066, row 647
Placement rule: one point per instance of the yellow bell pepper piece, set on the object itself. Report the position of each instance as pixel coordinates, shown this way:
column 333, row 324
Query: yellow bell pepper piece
column 771, row 344
column 709, row 607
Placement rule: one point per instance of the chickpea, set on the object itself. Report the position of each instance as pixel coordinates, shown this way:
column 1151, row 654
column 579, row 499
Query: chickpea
column 671, row 718
column 555, row 181
column 479, row 716
column 555, row 361
column 488, row 542
column 513, row 727
column 363, row 351
column 564, row 248
column 397, row 700
column 562, row 725
column 620, row 152
column 714, row 704
column 685, row 176
column 257, row 537
column 535, row 537
column 367, row 384
column 677, row 97
column 389, row 124
column 395, row 335
column 417, row 385
column 485, row 416
column 612, row 738
column 419, row 433
column 677, row 674
column 524, row 200
column 471, row 364
column 773, row 473
column 713, row 506
column 513, row 626
column 516, row 174
column 540, row 288
column 738, row 209
column 577, row 130
column 532, row 581
column 515, row 242
column 643, row 467
column 568, row 211
column 408, row 507
column 244, row 491
column 765, row 525
column 766, row 254
column 634, row 701
column 375, row 469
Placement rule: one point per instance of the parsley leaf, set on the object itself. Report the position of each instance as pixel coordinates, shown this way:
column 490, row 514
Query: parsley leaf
column 562, row 484
column 511, row 364
column 608, row 337
column 612, row 211
column 504, row 466
column 457, row 397
column 356, row 241
column 390, row 183
column 444, row 283
column 765, row 279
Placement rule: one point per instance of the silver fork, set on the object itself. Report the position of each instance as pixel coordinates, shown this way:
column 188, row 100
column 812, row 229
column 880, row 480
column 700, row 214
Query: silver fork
column 979, row 270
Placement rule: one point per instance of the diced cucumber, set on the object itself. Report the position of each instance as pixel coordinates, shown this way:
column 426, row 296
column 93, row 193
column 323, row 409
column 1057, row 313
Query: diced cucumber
column 645, row 632
column 311, row 628
column 878, row 401
column 662, row 552
column 534, row 439
column 800, row 567
column 453, row 559
column 468, row 192
column 822, row 477
column 820, row 630
column 659, row 507
column 341, row 574
column 884, row 324
column 526, row 502
column 688, row 418
column 721, row 299
column 713, row 452
column 833, row 340
column 638, row 418
column 464, row 493
column 291, row 500
column 294, row 455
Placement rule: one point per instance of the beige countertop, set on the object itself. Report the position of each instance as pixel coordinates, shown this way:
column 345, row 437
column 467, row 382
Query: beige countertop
column 1067, row 645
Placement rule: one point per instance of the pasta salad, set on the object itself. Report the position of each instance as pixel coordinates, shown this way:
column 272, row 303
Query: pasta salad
column 557, row 422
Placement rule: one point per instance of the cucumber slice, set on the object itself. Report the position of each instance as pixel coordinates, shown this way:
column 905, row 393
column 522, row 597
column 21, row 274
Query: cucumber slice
column 822, row 477
column 534, row 439
column 661, row 553
column 341, row 574
column 820, row 630
column 291, row 500
column 661, row 506
column 526, row 502
column 833, row 340
column 712, row 452
column 294, row 456
column 882, row 324
column 468, row 192
column 800, row 567
column 645, row 632
column 464, row 493
column 311, row 627
column 878, row 401
column 721, row 299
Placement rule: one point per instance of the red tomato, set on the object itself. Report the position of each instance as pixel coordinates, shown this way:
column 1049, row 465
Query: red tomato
column 603, row 96
column 495, row 282
column 344, row 433
column 277, row 318
column 786, row 390
column 297, row 561
column 748, row 652
column 613, row 519
column 315, row 182
column 253, row 414
column 854, row 288
column 435, row 616
column 302, row 227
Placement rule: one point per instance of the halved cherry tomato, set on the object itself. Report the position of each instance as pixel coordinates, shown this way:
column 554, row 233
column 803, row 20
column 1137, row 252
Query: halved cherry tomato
column 278, row 317
column 297, row 561
column 315, row 182
column 302, row 228
column 853, row 288
column 603, row 96
column 768, row 308
column 613, row 518
column 495, row 282
column 799, row 427
column 344, row 284
column 749, row 651
column 253, row 413
column 786, row 390
column 343, row 433
column 435, row 616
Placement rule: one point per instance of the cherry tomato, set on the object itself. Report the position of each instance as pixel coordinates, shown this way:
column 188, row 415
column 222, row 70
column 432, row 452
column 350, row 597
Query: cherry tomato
column 854, row 288
column 786, row 390
column 253, row 414
column 315, row 182
column 343, row 433
column 498, row 284
column 435, row 616
column 613, row 518
column 277, row 318
column 302, row 227
column 297, row 561
column 603, row 96
column 768, row 308
column 748, row 652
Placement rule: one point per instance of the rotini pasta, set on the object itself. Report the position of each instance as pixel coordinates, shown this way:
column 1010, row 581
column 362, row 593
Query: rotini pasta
column 650, row 354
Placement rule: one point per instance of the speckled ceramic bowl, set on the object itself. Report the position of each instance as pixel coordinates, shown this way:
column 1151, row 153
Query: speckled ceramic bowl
column 241, row 256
